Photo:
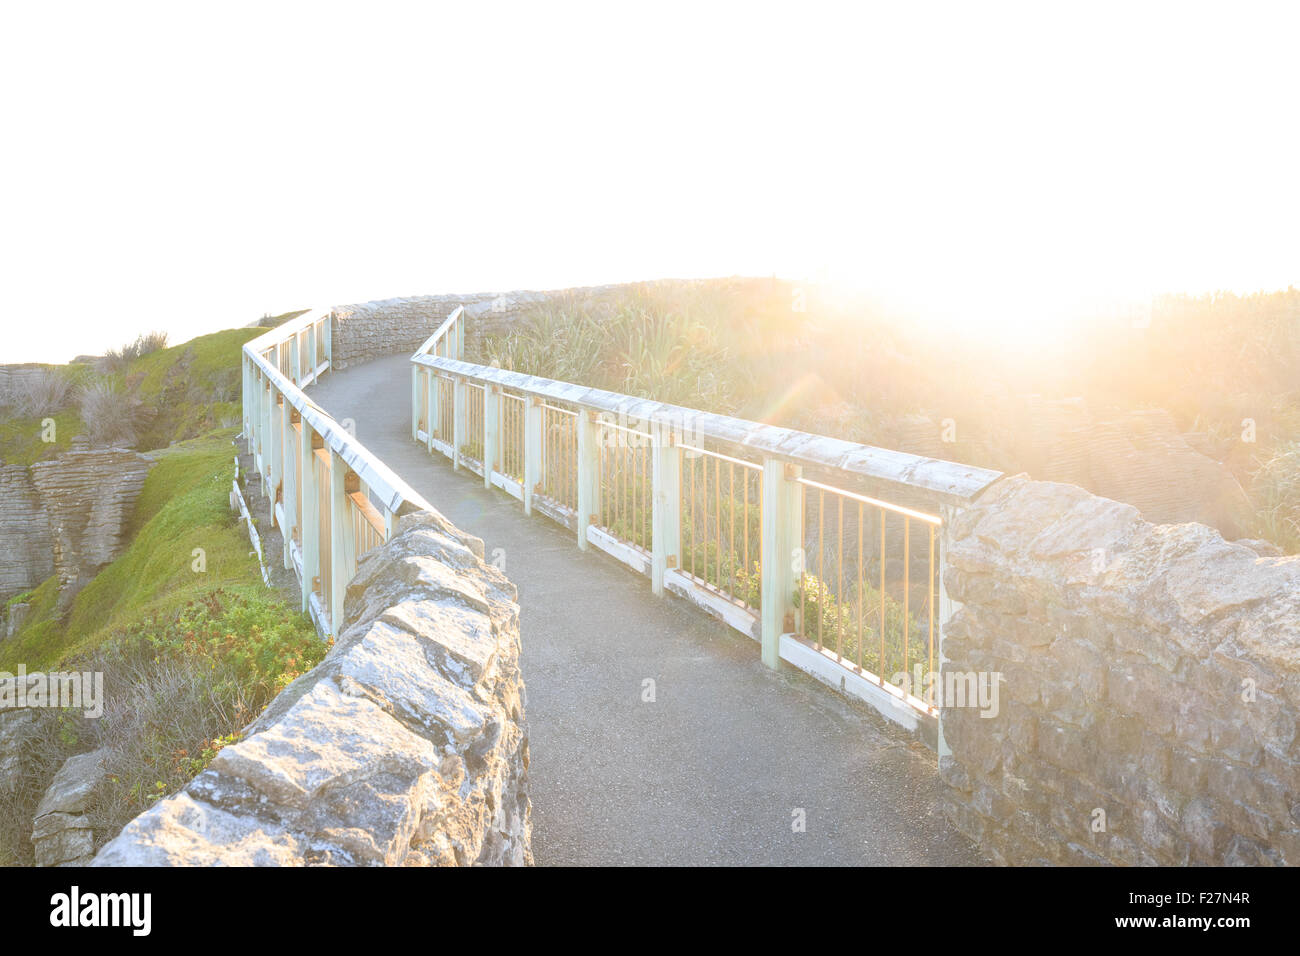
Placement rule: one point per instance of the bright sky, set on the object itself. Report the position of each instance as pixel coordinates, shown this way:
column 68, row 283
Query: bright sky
column 191, row 167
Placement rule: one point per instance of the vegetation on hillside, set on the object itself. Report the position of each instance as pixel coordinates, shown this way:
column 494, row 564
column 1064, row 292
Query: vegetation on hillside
column 192, row 645
column 1226, row 367
column 143, row 396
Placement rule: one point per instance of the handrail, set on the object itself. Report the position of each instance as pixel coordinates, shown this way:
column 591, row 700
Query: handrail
column 672, row 506
column 430, row 344
column 315, row 472
column 943, row 481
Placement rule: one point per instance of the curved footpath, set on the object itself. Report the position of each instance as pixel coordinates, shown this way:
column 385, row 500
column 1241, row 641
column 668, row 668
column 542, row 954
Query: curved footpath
column 712, row 771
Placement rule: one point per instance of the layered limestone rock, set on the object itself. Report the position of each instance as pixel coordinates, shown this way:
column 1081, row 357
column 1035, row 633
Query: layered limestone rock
column 27, row 557
column 1150, row 686
column 62, row 832
column 87, row 497
column 406, row 746
column 17, row 729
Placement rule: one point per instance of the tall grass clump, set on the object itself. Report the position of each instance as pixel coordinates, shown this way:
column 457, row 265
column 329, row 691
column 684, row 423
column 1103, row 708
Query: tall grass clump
column 1276, row 490
column 109, row 415
column 117, row 360
column 42, row 393
column 657, row 341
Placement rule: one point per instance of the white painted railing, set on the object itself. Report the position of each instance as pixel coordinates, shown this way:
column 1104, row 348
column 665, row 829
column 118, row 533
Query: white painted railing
column 728, row 513
column 331, row 499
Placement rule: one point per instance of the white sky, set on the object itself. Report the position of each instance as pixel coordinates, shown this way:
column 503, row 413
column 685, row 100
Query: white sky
column 190, row 168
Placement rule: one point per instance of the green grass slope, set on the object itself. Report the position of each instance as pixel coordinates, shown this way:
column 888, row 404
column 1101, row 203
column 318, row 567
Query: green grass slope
column 188, row 390
column 182, row 515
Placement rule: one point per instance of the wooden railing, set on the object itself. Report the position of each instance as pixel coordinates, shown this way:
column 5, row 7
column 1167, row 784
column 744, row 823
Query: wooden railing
column 828, row 552
column 331, row 499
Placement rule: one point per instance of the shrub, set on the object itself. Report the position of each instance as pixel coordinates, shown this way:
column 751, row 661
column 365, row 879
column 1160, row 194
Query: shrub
column 177, row 689
column 109, row 415
column 42, row 393
column 116, row 360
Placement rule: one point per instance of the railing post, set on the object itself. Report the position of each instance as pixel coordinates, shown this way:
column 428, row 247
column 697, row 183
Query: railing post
column 666, row 497
column 782, row 510
column 415, row 403
column 431, row 397
column 459, row 405
column 458, row 330
column 343, row 545
column 314, row 360
column 588, row 472
column 295, row 359
column 947, row 608
column 275, row 461
column 290, row 449
column 532, row 450
column 491, row 431
column 268, row 392
column 327, row 326
column 254, row 410
column 310, row 517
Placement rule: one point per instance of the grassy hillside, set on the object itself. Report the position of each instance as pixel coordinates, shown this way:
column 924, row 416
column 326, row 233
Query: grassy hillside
column 191, row 643
column 188, row 390
column 189, row 656
column 146, row 401
column 183, row 507
column 22, row 437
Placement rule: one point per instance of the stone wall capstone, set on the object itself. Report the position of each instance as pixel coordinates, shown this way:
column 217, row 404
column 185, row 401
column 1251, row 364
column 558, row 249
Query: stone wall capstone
column 406, row 746
column 1150, row 693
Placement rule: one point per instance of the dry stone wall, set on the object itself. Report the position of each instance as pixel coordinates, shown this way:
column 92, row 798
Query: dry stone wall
column 406, row 746
column 1150, row 686
column 369, row 330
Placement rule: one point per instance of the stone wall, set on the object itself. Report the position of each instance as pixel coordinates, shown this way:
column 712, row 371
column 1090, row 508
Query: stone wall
column 369, row 330
column 405, row 746
column 1150, row 686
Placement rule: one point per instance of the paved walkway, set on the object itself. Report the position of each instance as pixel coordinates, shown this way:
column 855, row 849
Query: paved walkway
column 713, row 770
